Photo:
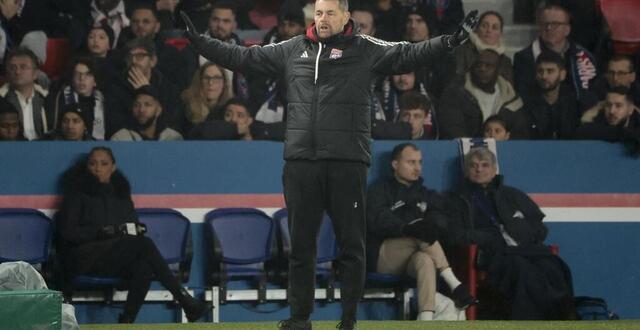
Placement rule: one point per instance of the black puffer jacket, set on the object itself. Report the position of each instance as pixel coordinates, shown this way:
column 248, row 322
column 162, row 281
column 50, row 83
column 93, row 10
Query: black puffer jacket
column 87, row 206
column 327, row 85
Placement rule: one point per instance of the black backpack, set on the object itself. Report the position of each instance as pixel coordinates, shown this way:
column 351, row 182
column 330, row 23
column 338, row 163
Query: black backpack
column 592, row 308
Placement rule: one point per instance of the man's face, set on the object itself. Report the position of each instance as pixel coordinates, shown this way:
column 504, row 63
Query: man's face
column 481, row 172
column 141, row 59
column 83, row 81
column 222, row 23
column 619, row 73
column 365, row 21
column 416, row 28
column 408, row 167
column 237, row 114
column 417, row 118
column 143, row 23
column 549, row 76
column 9, row 126
column 21, row 71
column 404, row 82
column 617, row 109
column 490, row 30
column 146, row 110
column 329, row 18
column 495, row 130
column 554, row 26
column 73, row 127
column 289, row 29
column 485, row 70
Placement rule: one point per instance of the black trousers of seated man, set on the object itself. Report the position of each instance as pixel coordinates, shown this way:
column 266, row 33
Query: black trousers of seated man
column 312, row 187
column 136, row 259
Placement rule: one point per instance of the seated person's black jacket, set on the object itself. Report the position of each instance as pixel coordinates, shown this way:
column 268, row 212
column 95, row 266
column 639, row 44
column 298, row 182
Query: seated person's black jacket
column 87, row 207
column 469, row 225
column 383, row 130
column 391, row 205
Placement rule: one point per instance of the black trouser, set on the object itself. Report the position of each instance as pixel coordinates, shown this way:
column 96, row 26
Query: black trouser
column 136, row 259
column 337, row 187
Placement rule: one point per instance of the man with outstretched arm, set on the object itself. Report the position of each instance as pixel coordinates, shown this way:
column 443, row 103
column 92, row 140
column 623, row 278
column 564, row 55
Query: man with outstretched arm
column 327, row 73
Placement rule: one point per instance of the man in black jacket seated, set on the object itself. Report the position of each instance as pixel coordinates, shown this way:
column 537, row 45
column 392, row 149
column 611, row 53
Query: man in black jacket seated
column 403, row 225
column 507, row 227
column 327, row 74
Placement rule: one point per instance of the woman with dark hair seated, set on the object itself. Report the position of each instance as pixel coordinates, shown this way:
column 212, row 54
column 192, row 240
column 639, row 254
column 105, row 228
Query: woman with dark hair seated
column 100, row 235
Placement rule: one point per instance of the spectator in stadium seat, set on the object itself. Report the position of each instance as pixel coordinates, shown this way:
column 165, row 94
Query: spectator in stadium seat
column 621, row 71
column 112, row 12
column 465, row 106
column 146, row 111
column 507, row 227
column 615, row 119
column 98, row 47
column 417, row 110
column 206, row 95
column 404, row 221
column 94, row 238
column 267, row 95
column 178, row 66
column 365, row 16
column 555, row 26
column 81, row 88
column 551, row 106
column 488, row 34
column 10, row 128
column 436, row 74
column 141, row 71
column 72, row 125
column 496, row 128
column 21, row 66
column 237, row 123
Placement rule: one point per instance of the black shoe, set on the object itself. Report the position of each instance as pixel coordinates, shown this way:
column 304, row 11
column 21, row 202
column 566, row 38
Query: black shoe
column 125, row 319
column 347, row 325
column 193, row 308
column 291, row 324
column 462, row 298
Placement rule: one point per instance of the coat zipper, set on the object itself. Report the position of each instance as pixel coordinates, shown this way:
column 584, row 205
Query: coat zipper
column 314, row 106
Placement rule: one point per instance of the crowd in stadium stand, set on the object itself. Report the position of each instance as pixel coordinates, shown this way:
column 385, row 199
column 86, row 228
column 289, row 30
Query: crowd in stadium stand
column 123, row 70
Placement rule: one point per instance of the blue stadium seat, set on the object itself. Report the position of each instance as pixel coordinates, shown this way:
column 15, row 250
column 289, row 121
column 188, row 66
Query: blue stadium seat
column 240, row 243
column 327, row 248
column 25, row 235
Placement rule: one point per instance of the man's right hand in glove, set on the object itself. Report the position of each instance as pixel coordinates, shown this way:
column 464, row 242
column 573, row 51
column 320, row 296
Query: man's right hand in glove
column 191, row 31
column 462, row 34
column 421, row 230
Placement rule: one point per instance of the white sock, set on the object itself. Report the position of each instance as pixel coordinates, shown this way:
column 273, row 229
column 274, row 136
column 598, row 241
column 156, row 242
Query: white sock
column 450, row 278
column 425, row 316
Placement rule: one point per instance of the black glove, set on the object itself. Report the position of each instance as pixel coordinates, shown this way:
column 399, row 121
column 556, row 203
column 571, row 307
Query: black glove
column 191, row 31
column 141, row 228
column 462, row 34
column 422, row 230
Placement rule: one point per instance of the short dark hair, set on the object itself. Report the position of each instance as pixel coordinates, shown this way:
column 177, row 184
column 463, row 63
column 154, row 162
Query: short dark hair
column 549, row 5
column 365, row 6
column 622, row 90
column 225, row 5
column 145, row 43
column 623, row 57
column 494, row 13
column 237, row 101
column 551, row 57
column 411, row 100
column 145, row 6
column 397, row 150
column 22, row 52
column 497, row 119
